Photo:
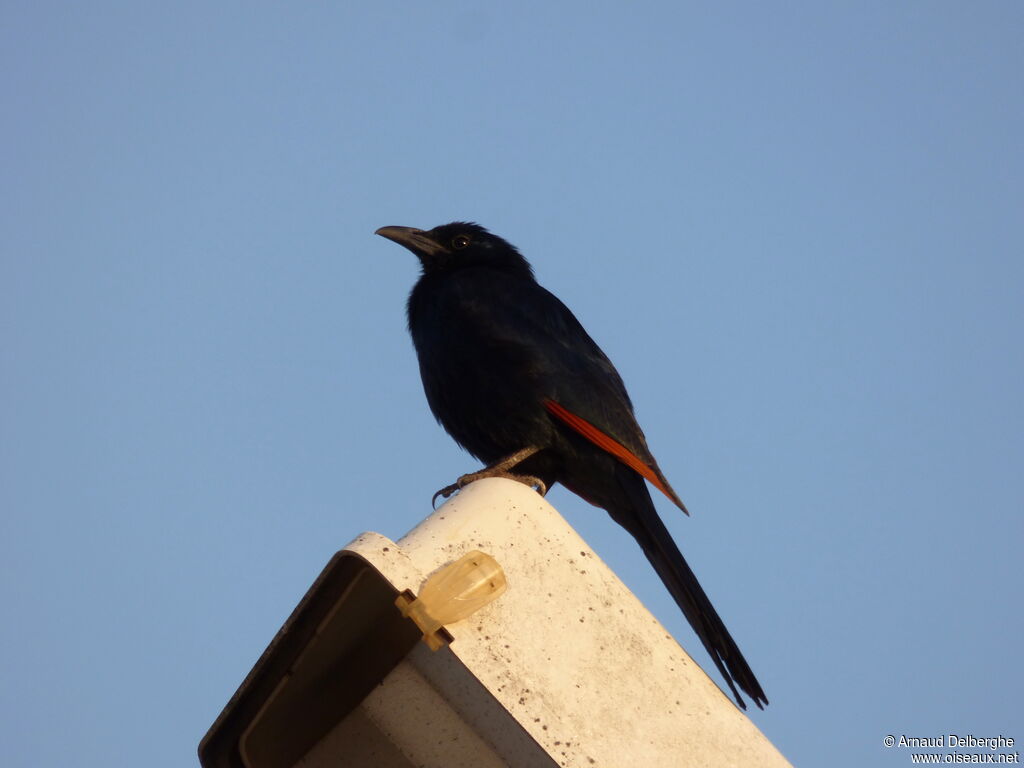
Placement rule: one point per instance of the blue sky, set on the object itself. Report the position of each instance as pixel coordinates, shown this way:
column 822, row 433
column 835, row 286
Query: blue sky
column 796, row 228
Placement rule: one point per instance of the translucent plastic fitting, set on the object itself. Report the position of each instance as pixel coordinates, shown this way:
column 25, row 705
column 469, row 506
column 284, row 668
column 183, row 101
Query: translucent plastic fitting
column 453, row 593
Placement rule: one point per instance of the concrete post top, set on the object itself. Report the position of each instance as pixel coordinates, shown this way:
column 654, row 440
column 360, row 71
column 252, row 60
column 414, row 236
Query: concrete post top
column 565, row 668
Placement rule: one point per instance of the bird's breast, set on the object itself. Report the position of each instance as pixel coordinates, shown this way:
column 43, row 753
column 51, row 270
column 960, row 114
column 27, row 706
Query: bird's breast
column 483, row 386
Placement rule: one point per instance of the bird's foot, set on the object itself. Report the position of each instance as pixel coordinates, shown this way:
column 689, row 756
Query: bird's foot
column 462, row 482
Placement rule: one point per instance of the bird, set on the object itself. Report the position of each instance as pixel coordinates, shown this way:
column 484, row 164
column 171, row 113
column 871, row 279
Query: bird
column 513, row 377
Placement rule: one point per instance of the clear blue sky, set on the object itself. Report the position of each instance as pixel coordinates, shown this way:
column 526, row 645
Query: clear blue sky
column 797, row 229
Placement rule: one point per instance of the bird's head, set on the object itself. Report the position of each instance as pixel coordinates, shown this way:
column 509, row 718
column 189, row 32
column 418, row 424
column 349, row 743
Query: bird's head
column 458, row 245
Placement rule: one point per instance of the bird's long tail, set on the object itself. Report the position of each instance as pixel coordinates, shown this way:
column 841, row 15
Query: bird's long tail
column 642, row 520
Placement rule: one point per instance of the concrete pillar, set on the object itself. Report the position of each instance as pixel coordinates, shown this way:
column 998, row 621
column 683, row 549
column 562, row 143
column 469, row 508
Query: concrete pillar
column 566, row 668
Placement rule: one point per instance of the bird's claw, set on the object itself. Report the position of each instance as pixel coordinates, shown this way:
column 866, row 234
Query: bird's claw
column 444, row 493
column 462, row 482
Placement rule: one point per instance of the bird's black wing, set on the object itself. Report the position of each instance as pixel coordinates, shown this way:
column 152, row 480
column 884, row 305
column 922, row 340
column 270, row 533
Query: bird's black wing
column 574, row 379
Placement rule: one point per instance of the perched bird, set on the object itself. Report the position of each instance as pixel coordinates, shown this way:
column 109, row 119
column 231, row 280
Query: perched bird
column 511, row 374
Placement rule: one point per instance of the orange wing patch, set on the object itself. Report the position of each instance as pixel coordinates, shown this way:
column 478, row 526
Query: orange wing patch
column 612, row 446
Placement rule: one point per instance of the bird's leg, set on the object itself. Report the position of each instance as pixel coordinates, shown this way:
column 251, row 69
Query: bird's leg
column 498, row 469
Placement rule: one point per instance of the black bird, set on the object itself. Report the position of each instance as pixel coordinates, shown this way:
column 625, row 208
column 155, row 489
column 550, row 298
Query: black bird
column 511, row 374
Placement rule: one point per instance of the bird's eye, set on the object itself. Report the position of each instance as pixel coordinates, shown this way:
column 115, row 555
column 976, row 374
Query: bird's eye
column 460, row 241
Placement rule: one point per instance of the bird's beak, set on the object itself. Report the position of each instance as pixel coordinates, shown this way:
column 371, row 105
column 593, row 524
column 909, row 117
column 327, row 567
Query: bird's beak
column 416, row 240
